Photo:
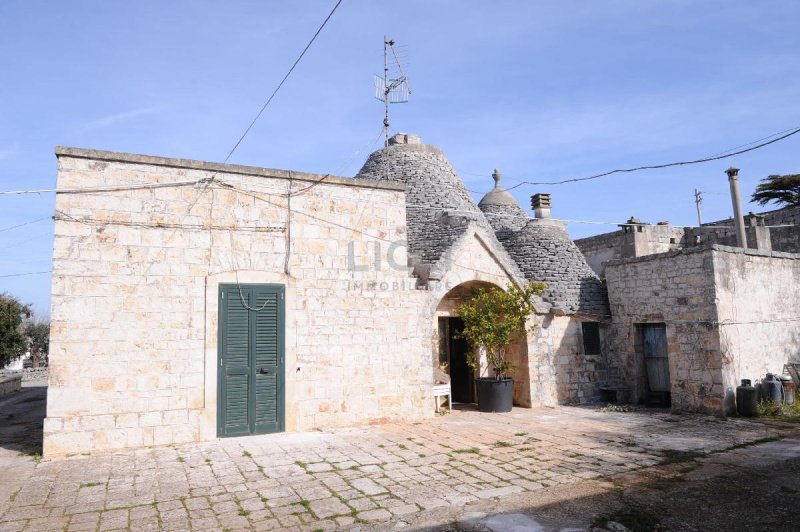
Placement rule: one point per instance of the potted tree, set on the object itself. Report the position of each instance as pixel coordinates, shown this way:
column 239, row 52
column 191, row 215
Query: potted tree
column 494, row 318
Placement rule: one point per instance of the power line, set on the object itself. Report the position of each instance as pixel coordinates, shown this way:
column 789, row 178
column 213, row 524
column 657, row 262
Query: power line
column 263, row 107
column 785, row 135
column 9, row 228
column 24, row 274
column 89, row 190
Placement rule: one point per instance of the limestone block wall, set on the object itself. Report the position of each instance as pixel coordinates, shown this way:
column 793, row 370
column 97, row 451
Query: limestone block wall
column 730, row 314
column 10, row 384
column 578, row 375
column 637, row 241
column 675, row 288
column 758, row 295
column 136, row 274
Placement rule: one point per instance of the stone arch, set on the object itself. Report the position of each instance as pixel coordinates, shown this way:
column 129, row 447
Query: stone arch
column 517, row 352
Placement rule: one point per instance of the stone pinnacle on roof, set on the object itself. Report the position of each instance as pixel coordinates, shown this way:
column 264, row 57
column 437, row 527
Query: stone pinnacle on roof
column 501, row 209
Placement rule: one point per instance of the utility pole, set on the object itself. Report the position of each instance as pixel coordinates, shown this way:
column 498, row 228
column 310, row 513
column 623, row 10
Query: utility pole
column 698, row 200
column 738, row 221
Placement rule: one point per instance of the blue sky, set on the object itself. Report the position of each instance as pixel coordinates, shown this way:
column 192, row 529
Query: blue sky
column 541, row 90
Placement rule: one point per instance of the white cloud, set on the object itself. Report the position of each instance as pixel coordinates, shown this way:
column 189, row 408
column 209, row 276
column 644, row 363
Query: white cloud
column 110, row 120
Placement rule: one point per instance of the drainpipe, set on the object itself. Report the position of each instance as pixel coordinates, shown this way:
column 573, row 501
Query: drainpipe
column 738, row 221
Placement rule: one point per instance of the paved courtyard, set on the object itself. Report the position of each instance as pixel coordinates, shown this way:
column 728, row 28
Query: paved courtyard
column 383, row 477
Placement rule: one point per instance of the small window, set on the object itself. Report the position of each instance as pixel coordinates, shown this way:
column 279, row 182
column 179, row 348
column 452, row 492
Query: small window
column 591, row 337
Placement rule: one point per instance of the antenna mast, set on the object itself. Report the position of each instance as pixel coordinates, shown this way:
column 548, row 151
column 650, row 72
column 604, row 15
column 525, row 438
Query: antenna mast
column 388, row 89
column 386, row 44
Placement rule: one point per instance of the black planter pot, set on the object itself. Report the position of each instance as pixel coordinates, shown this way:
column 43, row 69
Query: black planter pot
column 495, row 395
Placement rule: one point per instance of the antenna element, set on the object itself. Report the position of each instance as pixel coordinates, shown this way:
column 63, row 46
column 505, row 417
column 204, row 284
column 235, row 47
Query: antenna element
column 391, row 89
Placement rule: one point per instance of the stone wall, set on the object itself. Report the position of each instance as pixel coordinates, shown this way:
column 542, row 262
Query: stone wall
column 560, row 371
column 638, row 241
column 35, row 376
column 133, row 357
column 759, row 314
column 729, row 314
column 675, row 288
column 632, row 241
column 10, row 384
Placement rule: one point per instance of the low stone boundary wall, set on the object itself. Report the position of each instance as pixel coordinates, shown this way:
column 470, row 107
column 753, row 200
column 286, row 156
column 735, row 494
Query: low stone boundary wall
column 10, row 384
column 34, row 377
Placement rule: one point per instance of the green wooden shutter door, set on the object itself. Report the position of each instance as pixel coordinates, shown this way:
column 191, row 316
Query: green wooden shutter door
column 235, row 364
column 251, row 386
column 267, row 348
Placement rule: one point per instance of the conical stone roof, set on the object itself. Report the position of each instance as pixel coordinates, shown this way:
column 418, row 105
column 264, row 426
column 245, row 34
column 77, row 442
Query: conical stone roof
column 544, row 252
column 502, row 210
column 439, row 207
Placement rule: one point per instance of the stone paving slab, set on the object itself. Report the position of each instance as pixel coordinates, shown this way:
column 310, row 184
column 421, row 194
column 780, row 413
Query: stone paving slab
column 367, row 477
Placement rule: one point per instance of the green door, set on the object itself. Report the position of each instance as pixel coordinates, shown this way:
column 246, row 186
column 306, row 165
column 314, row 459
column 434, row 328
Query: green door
column 251, row 345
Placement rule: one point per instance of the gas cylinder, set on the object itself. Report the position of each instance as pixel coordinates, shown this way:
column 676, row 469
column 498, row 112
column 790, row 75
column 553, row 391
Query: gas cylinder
column 789, row 389
column 772, row 389
column 746, row 399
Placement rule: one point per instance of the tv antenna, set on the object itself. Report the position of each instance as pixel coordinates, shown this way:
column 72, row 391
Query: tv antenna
column 391, row 89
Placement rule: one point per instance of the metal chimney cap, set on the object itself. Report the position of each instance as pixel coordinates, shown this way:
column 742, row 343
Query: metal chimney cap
column 732, row 172
column 541, row 199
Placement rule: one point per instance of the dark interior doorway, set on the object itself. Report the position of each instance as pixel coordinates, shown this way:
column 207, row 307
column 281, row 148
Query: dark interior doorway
column 453, row 351
column 652, row 344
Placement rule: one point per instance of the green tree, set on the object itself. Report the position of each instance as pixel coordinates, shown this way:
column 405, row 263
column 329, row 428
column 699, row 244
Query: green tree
column 37, row 334
column 13, row 342
column 782, row 189
column 493, row 318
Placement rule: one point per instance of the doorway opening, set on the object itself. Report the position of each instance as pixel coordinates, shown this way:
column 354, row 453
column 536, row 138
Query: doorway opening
column 651, row 344
column 453, row 357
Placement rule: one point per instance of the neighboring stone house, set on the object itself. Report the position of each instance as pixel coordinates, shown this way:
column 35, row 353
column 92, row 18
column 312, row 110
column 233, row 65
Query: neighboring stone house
column 693, row 314
column 195, row 300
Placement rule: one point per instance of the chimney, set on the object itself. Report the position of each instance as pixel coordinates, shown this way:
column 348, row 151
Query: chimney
column 404, row 138
column 541, row 205
column 738, row 221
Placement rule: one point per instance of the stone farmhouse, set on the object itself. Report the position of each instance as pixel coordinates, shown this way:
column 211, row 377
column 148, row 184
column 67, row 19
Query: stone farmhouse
column 194, row 300
column 696, row 313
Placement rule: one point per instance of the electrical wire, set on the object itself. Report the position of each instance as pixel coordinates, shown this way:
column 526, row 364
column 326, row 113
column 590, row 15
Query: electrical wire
column 24, row 274
column 289, row 73
column 116, row 188
column 9, row 228
column 786, row 134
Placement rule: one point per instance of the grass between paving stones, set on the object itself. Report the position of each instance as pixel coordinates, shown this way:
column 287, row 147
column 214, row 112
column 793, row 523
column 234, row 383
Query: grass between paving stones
column 90, row 484
column 610, row 407
column 468, row 450
column 246, row 454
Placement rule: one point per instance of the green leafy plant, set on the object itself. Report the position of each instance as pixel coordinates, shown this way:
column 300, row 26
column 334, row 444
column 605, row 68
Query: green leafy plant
column 493, row 318
column 13, row 341
column 781, row 411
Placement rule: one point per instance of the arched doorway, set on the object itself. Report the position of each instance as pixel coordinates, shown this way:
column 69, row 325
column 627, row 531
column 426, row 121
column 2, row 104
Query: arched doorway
column 452, row 350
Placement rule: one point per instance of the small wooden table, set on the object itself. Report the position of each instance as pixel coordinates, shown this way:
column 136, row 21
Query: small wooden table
column 440, row 390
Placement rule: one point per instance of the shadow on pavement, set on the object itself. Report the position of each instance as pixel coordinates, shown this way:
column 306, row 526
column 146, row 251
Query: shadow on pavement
column 21, row 419
column 756, row 489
